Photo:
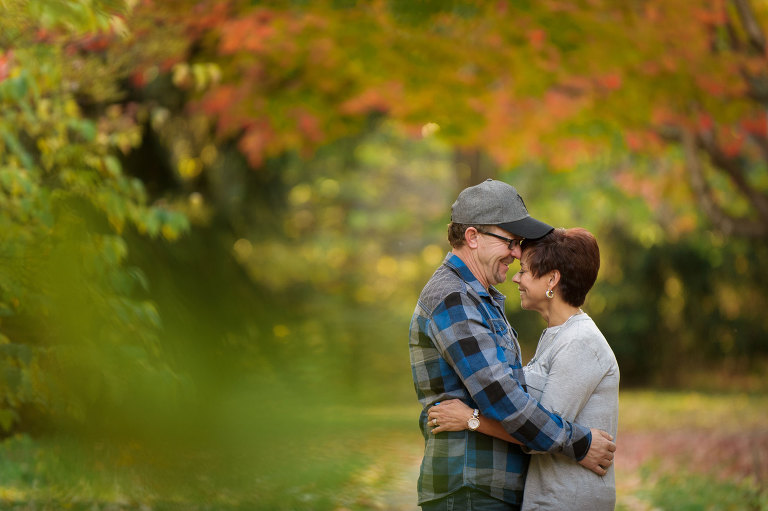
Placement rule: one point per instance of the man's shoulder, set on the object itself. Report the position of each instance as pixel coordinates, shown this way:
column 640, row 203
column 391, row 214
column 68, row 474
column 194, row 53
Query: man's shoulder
column 443, row 283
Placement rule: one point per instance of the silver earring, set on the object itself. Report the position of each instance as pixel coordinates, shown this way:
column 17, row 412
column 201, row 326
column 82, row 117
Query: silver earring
column 550, row 294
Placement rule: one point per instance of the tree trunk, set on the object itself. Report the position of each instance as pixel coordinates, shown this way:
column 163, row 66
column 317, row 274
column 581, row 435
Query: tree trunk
column 472, row 167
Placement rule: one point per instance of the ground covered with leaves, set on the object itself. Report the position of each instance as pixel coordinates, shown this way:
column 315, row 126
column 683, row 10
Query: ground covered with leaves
column 676, row 451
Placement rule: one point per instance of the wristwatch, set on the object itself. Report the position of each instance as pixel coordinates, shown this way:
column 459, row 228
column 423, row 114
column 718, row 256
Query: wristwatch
column 473, row 423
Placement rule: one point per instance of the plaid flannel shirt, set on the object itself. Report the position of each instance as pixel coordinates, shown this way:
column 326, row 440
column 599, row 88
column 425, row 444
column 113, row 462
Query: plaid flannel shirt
column 462, row 347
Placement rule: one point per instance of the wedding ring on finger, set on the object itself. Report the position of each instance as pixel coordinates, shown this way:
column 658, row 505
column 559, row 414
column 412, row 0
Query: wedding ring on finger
column 434, row 421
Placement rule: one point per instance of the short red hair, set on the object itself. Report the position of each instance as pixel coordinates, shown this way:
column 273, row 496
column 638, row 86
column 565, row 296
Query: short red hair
column 574, row 253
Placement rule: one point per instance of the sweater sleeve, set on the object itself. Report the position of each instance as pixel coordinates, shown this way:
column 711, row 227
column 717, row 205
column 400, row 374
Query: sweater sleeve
column 468, row 344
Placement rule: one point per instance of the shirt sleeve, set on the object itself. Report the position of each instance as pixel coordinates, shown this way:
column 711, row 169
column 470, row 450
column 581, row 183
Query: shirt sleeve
column 466, row 342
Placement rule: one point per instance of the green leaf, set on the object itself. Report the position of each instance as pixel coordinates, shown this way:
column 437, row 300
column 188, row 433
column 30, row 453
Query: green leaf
column 8, row 417
column 16, row 148
column 14, row 89
column 84, row 127
column 11, row 377
column 20, row 352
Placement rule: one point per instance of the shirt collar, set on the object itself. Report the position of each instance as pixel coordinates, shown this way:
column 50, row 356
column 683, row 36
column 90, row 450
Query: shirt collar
column 453, row 261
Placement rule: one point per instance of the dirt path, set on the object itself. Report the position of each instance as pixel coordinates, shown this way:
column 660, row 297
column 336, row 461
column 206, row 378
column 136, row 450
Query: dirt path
column 395, row 473
column 401, row 494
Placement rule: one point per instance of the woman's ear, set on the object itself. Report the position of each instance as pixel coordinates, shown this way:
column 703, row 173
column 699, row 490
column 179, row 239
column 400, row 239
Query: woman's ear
column 554, row 278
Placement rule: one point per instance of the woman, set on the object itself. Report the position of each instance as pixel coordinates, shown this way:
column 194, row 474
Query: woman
column 573, row 373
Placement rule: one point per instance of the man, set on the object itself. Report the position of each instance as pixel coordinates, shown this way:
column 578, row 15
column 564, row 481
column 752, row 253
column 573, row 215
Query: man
column 463, row 347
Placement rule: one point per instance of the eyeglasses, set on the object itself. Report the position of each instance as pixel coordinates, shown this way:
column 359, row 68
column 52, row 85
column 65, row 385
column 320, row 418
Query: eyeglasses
column 512, row 241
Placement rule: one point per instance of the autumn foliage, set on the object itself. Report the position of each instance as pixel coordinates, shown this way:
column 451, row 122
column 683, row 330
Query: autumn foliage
column 548, row 81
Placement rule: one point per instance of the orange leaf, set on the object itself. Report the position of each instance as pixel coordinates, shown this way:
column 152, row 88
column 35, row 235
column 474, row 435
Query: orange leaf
column 757, row 125
column 248, row 34
column 610, row 81
column 370, row 100
column 537, row 37
column 254, row 142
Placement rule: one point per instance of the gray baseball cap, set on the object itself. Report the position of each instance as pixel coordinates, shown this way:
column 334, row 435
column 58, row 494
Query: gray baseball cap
column 497, row 203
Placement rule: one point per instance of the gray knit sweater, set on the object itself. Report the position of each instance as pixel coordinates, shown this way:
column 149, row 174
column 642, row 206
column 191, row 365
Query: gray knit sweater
column 574, row 374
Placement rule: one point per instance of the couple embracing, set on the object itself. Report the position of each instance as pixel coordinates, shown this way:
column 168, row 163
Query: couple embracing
column 500, row 436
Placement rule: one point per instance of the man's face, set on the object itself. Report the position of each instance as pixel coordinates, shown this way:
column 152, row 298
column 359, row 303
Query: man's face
column 495, row 255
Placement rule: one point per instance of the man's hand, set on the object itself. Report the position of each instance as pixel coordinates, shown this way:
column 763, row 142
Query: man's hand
column 600, row 455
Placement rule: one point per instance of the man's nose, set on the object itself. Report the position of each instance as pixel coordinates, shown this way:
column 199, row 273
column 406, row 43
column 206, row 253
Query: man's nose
column 516, row 251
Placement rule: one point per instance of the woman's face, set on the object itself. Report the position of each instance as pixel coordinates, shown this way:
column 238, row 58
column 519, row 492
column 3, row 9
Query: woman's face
column 532, row 289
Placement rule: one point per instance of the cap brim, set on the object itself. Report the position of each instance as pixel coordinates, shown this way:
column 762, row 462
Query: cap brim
column 527, row 228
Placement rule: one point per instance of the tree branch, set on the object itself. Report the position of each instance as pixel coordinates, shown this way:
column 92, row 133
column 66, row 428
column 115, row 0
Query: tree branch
column 762, row 143
column 757, row 86
column 751, row 26
column 734, row 169
column 724, row 222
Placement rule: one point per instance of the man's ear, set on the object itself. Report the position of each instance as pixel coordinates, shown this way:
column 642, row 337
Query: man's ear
column 470, row 237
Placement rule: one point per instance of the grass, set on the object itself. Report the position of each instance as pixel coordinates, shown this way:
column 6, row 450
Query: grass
column 692, row 451
column 677, row 451
column 692, row 492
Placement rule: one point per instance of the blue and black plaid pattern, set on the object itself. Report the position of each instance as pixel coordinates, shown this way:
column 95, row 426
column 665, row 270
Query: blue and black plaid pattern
column 462, row 347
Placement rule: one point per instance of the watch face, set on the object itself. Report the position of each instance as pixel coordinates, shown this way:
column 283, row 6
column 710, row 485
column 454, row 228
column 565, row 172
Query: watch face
column 473, row 423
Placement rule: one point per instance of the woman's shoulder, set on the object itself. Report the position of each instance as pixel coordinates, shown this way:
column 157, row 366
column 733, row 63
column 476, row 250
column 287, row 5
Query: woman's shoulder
column 584, row 335
column 583, row 328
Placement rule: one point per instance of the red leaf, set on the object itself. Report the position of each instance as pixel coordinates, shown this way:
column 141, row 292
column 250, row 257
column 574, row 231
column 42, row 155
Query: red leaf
column 309, row 126
column 206, row 16
column 711, row 85
column 247, row 34
column 731, row 140
column 42, row 35
column 704, row 122
column 711, row 16
column 219, row 99
column 537, row 37
column 254, row 142
column 138, row 79
column 756, row 125
column 661, row 115
column 634, row 140
column 167, row 64
column 5, row 64
column 610, row 81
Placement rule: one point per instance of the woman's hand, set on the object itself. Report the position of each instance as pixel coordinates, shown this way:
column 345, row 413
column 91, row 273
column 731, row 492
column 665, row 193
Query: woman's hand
column 451, row 415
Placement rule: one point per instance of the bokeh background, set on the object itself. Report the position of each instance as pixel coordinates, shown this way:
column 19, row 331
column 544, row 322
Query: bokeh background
column 216, row 217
